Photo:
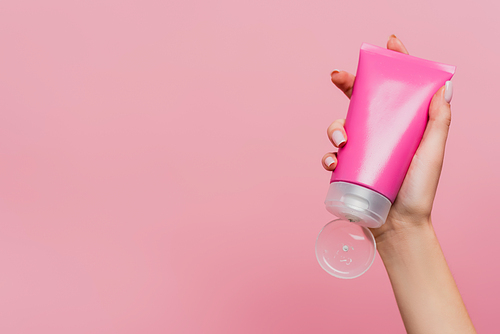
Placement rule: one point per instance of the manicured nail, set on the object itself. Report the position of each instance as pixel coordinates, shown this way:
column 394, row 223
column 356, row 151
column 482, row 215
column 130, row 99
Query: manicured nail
column 329, row 161
column 338, row 137
column 448, row 91
column 392, row 36
column 334, row 71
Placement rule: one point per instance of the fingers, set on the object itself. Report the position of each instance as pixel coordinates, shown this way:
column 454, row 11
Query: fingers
column 344, row 81
column 436, row 132
column 396, row 45
column 329, row 161
column 336, row 133
column 430, row 153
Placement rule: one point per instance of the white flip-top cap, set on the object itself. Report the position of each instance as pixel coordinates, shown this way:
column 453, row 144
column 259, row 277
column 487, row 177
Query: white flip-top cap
column 357, row 204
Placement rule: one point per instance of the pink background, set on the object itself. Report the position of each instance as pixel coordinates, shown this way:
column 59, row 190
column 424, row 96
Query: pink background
column 160, row 163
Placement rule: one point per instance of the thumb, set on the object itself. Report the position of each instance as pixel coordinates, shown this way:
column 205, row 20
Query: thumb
column 430, row 152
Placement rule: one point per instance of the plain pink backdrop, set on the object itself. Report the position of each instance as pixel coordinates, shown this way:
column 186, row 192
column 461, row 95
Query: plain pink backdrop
column 160, row 163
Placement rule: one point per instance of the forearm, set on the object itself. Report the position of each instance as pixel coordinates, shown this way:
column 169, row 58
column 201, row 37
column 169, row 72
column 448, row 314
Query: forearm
column 426, row 293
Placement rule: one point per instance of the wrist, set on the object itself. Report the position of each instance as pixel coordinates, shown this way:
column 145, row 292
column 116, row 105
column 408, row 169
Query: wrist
column 400, row 240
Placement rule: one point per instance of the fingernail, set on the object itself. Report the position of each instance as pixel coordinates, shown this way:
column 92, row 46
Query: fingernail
column 448, row 91
column 338, row 137
column 329, row 161
column 392, row 36
column 334, row 71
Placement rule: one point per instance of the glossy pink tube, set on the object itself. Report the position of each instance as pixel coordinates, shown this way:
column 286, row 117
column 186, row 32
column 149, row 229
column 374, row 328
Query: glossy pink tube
column 387, row 117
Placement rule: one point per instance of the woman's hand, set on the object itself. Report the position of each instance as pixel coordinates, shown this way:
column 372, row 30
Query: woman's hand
column 427, row 296
column 413, row 205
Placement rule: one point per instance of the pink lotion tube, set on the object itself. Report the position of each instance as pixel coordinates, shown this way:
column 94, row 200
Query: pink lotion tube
column 385, row 122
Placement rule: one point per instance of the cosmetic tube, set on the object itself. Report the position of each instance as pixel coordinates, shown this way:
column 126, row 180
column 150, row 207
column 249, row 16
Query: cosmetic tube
column 385, row 122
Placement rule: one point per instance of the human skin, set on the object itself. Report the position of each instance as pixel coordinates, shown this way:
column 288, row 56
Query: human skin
column 425, row 291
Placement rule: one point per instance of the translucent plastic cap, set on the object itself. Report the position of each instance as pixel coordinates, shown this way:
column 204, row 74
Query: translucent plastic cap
column 357, row 204
column 345, row 247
